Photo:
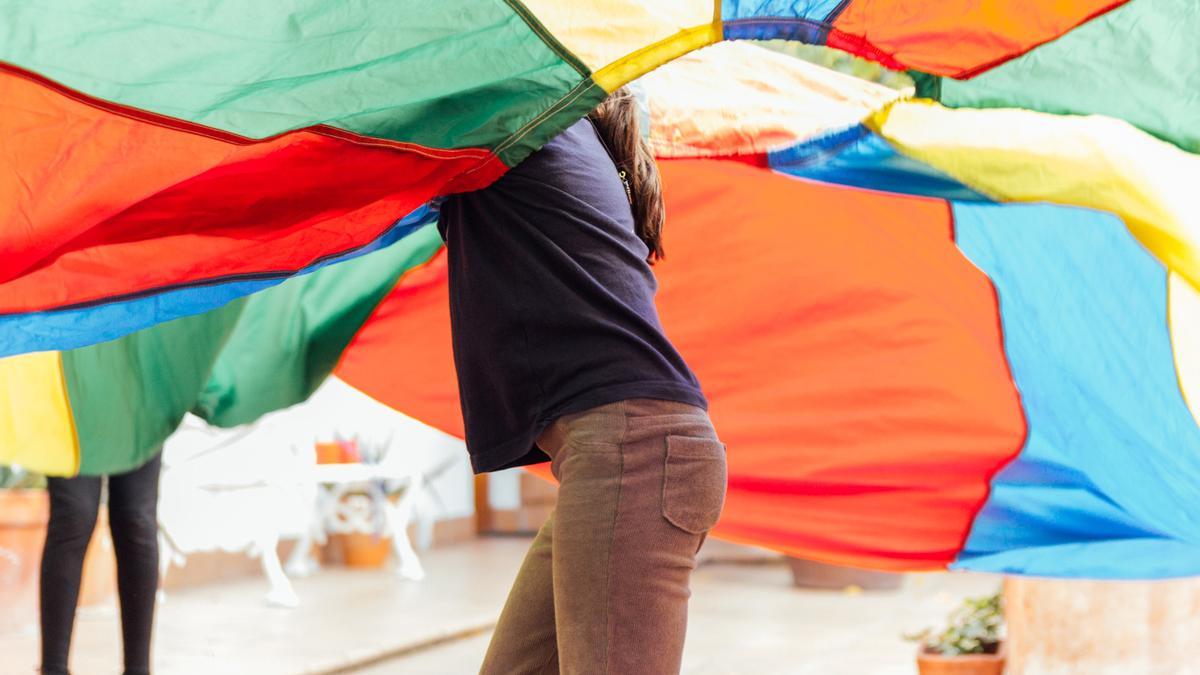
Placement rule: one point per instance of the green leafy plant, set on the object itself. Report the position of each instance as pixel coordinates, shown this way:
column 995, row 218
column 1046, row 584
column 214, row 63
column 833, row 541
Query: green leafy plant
column 16, row 478
column 974, row 628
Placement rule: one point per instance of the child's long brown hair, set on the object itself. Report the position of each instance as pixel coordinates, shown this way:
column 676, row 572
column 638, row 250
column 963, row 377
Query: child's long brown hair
column 617, row 121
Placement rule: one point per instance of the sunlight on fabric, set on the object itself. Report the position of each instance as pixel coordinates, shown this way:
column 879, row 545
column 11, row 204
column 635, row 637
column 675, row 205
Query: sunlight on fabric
column 1184, row 308
column 1095, row 162
column 617, row 37
column 735, row 98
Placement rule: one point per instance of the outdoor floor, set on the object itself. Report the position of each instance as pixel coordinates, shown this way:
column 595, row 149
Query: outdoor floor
column 745, row 618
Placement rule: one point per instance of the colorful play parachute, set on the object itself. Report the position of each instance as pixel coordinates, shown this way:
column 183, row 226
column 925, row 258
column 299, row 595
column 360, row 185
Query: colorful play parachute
column 1136, row 63
column 930, row 337
column 108, row 408
column 162, row 159
column 908, row 372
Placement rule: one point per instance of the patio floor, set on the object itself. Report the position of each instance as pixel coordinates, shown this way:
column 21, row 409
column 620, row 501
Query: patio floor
column 745, row 618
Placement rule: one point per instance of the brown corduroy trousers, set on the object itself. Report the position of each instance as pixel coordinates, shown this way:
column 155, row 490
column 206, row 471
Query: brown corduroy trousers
column 604, row 587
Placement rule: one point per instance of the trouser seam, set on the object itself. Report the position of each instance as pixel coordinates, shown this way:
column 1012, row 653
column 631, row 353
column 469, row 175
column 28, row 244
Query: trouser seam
column 612, row 539
column 549, row 659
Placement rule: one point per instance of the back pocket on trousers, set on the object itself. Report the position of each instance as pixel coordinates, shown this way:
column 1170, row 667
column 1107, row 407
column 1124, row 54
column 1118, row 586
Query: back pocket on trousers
column 693, row 483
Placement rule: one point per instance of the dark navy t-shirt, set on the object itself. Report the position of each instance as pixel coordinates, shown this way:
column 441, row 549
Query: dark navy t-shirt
column 552, row 301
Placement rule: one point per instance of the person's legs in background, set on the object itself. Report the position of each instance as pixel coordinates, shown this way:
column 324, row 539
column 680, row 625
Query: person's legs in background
column 133, row 518
column 74, row 504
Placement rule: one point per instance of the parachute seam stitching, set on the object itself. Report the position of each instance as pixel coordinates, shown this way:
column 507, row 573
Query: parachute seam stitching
column 576, row 92
column 836, row 12
column 983, row 68
column 1008, row 367
column 547, row 37
column 66, row 389
column 221, row 135
column 266, row 275
column 1174, row 351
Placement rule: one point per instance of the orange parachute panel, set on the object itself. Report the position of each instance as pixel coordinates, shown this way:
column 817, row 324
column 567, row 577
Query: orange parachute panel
column 958, row 38
column 402, row 355
column 851, row 355
column 74, row 230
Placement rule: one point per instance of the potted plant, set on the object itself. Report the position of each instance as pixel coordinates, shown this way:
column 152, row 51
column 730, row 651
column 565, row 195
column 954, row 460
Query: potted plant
column 24, row 515
column 971, row 644
column 826, row 576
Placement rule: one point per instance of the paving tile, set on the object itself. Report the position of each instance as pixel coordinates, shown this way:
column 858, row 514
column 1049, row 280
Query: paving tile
column 344, row 616
column 745, row 618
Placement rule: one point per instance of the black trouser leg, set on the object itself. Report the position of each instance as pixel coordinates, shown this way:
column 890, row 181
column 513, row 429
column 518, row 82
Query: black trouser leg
column 133, row 518
column 74, row 503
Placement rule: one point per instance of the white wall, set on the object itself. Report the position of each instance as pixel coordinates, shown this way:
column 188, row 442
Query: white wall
column 504, row 489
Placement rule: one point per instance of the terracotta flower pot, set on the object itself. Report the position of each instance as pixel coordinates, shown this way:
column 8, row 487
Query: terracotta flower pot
column 23, row 517
column 810, row 574
column 364, row 551
column 329, row 453
column 338, row 452
column 1085, row 626
column 964, row 664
